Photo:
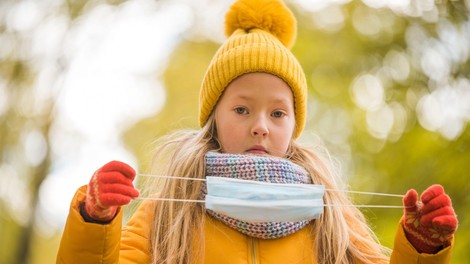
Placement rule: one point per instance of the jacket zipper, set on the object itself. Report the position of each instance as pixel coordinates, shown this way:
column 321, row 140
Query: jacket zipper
column 253, row 251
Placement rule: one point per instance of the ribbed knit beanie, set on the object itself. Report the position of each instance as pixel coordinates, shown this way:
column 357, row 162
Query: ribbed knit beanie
column 259, row 34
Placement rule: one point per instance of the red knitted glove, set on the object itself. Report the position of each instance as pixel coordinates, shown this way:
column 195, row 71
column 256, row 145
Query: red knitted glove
column 109, row 188
column 429, row 224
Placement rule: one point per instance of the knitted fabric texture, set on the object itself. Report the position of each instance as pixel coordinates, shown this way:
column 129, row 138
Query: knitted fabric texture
column 260, row 34
column 429, row 224
column 256, row 168
column 110, row 187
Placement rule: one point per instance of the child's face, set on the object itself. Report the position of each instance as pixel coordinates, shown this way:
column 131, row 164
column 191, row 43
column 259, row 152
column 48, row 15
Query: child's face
column 255, row 115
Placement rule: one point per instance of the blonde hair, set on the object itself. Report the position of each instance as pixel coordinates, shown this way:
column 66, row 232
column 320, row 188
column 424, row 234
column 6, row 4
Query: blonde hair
column 341, row 233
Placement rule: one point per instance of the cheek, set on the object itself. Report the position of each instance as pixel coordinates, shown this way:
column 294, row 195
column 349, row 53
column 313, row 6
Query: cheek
column 227, row 132
column 282, row 143
column 223, row 131
column 283, row 137
column 230, row 138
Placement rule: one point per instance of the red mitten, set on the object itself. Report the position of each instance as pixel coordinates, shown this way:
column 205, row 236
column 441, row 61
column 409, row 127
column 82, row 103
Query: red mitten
column 429, row 224
column 109, row 188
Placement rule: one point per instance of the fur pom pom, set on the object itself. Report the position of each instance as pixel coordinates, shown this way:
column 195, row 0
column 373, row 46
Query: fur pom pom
column 269, row 15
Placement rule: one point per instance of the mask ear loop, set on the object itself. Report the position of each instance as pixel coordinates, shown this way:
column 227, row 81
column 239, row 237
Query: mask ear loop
column 366, row 205
column 326, row 205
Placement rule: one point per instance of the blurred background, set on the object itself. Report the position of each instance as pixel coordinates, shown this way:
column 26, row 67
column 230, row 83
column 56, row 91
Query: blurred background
column 85, row 82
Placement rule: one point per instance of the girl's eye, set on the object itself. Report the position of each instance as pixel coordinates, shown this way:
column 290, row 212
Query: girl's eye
column 241, row 110
column 278, row 114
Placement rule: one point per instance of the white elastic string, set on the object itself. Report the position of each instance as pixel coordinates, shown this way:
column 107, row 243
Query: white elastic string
column 171, row 177
column 330, row 190
column 365, row 205
column 371, row 193
column 170, row 199
column 326, row 205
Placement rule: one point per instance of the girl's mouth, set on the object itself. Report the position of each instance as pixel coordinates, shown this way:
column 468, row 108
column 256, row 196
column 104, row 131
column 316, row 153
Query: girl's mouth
column 258, row 150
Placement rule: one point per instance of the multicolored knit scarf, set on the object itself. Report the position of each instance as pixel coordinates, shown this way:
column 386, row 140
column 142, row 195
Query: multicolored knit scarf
column 256, row 168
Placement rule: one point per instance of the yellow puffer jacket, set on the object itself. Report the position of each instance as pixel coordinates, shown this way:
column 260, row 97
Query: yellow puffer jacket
column 90, row 243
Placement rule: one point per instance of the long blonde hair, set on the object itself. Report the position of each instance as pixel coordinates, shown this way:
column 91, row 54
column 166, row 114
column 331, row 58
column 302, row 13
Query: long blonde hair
column 341, row 234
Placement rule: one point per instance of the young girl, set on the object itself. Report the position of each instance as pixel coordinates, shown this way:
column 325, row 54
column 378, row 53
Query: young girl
column 264, row 194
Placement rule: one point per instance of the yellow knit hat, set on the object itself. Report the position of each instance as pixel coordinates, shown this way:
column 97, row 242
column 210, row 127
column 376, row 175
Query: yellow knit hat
column 260, row 34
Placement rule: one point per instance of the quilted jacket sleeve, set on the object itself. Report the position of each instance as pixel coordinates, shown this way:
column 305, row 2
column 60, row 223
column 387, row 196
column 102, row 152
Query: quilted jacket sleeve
column 404, row 252
column 135, row 238
column 84, row 242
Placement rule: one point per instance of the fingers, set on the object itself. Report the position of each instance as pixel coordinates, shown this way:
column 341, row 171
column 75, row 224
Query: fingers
column 121, row 167
column 119, row 189
column 114, row 199
column 431, row 192
column 431, row 221
column 427, row 219
column 442, row 200
column 448, row 222
column 112, row 185
column 113, row 177
column 437, row 209
column 410, row 199
column 115, row 189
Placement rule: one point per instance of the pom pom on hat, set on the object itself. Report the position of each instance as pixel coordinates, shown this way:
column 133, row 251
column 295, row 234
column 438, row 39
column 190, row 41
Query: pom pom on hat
column 271, row 16
column 260, row 34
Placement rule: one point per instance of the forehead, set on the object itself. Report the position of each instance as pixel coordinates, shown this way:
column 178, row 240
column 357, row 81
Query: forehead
column 251, row 86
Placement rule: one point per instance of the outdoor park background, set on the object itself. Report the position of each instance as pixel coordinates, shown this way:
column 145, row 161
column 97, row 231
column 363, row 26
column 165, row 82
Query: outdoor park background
column 85, row 82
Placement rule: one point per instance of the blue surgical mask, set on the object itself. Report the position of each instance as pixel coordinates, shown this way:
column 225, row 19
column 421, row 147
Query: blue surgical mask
column 254, row 201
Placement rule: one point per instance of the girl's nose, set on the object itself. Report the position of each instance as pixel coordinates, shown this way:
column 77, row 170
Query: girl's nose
column 260, row 127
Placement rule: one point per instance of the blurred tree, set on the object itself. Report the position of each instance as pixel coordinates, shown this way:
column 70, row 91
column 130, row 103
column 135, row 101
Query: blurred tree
column 26, row 115
column 24, row 156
